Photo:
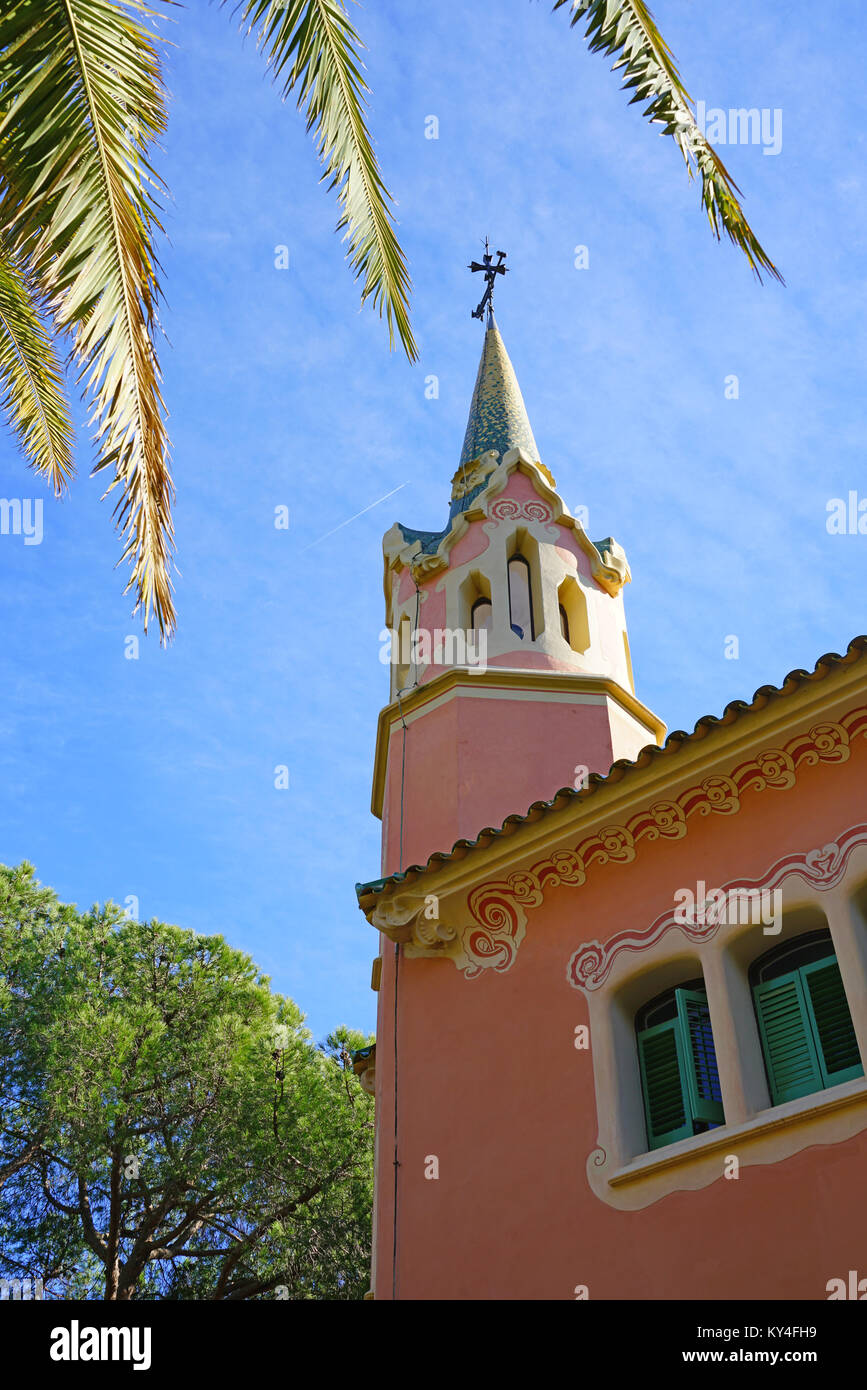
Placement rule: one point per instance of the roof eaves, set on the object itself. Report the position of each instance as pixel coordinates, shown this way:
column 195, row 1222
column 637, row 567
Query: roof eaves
column 367, row 893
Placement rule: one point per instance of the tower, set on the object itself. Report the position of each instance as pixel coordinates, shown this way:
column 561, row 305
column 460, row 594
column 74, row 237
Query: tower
column 568, row 1061
column 510, row 667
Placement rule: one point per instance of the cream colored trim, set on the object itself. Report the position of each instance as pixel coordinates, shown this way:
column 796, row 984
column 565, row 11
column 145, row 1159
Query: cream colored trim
column 500, row 682
column 493, row 917
column 846, row 1105
column 664, row 777
column 611, row 570
column 620, row 1170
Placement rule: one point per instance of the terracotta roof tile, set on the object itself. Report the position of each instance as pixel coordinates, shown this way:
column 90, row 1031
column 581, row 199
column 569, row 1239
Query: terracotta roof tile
column 733, row 711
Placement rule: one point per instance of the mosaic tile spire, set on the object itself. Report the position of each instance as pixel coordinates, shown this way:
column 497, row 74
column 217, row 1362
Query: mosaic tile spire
column 498, row 417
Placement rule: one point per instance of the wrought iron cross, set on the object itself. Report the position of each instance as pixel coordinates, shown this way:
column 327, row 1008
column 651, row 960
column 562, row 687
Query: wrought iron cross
column 491, row 271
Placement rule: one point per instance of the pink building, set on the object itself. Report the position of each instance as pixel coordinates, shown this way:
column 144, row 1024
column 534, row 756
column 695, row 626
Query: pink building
column 622, row 980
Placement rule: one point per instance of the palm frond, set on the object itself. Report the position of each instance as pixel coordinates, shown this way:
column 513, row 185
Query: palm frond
column 312, row 47
column 82, row 101
column 625, row 30
column 31, row 380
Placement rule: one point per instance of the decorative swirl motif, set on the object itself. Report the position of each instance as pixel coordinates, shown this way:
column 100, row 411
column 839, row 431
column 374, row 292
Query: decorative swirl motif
column 585, row 965
column 598, row 1158
column 498, row 907
column 565, row 867
column 830, row 744
column 433, row 933
column 501, row 923
column 509, row 509
column 525, row 889
column 823, row 863
column 721, row 795
column 776, row 768
column 590, row 965
column 487, row 951
column 505, row 509
column 668, row 821
column 613, row 842
column 492, row 910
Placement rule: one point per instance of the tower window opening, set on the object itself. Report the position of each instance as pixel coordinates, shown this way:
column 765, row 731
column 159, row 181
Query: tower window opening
column 474, row 603
column 574, row 620
column 481, row 615
column 521, row 598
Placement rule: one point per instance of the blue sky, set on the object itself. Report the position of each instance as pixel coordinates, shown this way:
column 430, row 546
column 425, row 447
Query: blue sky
column 155, row 777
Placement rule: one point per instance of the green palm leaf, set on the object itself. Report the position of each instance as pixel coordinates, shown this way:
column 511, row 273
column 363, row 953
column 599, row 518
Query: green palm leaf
column 625, row 29
column 83, row 99
column 31, row 380
column 312, row 48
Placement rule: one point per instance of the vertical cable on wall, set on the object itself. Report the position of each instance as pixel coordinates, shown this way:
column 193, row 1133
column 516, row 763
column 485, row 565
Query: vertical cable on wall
column 397, row 950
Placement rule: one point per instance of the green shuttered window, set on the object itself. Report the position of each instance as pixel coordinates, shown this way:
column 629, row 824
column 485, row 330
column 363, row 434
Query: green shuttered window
column 806, row 1029
column 679, row 1077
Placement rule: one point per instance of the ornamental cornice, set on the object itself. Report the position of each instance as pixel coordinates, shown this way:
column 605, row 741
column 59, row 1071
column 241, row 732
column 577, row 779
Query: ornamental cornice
column 487, row 922
column 610, row 568
column 822, row 869
column 498, row 909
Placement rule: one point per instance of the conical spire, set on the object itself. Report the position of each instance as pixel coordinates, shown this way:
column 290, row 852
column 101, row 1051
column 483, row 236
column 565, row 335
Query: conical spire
column 498, row 417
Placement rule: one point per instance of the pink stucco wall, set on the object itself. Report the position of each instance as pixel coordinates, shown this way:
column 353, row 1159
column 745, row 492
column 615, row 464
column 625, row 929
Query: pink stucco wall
column 491, row 1084
column 471, row 762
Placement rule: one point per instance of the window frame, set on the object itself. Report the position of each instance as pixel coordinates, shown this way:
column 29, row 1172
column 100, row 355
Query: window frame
column 770, row 1018
column 520, row 559
column 700, row 1112
column 482, row 600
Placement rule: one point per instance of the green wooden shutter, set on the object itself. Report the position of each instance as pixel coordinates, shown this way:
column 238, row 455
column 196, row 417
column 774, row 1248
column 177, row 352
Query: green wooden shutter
column 834, row 1035
column 791, row 1056
column 702, row 1076
column 666, row 1104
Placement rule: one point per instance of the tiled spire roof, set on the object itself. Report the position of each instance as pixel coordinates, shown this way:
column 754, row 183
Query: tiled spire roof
column 498, row 417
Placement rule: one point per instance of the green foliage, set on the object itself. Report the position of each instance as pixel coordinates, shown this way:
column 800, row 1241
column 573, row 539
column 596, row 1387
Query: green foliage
column 82, row 105
column 312, row 48
column 33, row 394
column 83, row 101
column 168, row 1129
column 625, row 30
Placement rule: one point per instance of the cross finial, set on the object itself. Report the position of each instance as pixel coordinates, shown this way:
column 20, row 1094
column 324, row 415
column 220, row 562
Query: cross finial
column 491, row 271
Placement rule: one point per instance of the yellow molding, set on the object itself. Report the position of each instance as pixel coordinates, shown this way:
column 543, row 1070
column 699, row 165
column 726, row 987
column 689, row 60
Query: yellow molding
column 498, row 907
column 783, row 1122
column 610, row 570
column 638, row 786
column 497, row 681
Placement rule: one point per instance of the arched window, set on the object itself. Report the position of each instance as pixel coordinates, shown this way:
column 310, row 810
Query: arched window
column 574, row 619
column 521, row 598
column 679, row 1077
column 481, row 615
column 808, row 1040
